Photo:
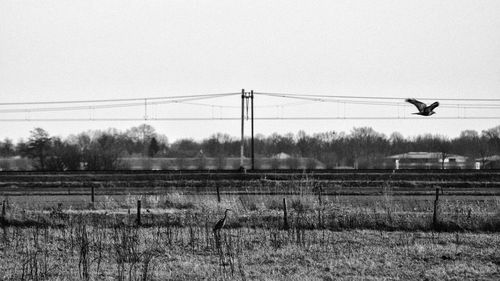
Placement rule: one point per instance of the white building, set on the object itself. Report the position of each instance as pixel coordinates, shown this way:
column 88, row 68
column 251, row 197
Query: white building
column 428, row 160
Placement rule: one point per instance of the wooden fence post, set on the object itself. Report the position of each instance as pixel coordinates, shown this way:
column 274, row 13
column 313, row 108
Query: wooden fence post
column 138, row 212
column 92, row 194
column 320, row 223
column 319, row 195
column 3, row 211
column 218, row 192
column 285, row 218
column 436, row 210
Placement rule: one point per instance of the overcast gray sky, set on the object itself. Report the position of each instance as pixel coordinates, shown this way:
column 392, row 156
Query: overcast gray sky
column 73, row 50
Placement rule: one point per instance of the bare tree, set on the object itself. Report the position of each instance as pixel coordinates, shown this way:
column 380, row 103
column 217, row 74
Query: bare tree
column 104, row 151
column 492, row 137
column 7, row 148
column 38, row 146
column 153, row 147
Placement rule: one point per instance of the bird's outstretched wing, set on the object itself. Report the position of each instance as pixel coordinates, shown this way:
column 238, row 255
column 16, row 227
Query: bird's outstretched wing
column 420, row 105
column 434, row 105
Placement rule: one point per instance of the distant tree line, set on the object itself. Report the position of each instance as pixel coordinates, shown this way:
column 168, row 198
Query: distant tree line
column 363, row 147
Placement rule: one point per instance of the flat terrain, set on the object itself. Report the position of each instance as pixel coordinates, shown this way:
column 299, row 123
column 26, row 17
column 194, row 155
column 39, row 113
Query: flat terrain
column 328, row 182
column 339, row 226
column 161, row 253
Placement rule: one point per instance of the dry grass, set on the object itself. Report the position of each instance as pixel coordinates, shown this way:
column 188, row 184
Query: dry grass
column 330, row 238
column 192, row 253
column 377, row 212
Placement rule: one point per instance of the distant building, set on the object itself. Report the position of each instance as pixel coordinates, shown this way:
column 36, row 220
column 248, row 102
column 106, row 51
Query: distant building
column 278, row 161
column 490, row 162
column 428, row 160
column 282, row 155
column 16, row 163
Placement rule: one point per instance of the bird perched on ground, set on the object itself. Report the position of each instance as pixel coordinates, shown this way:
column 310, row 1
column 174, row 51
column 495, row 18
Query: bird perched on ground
column 423, row 109
column 220, row 224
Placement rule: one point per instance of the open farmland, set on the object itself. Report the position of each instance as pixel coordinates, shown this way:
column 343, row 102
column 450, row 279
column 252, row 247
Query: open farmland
column 339, row 226
column 333, row 182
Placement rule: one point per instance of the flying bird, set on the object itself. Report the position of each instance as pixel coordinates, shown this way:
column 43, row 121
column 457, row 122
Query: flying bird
column 423, row 109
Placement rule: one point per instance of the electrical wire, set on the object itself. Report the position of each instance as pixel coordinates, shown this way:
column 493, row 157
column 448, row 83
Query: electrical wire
column 350, row 101
column 371, row 97
column 191, row 100
column 115, row 100
column 105, row 106
column 305, row 118
column 137, row 104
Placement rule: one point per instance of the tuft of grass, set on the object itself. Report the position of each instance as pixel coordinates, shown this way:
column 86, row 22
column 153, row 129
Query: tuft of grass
column 300, row 206
column 248, row 203
column 176, row 201
column 274, row 204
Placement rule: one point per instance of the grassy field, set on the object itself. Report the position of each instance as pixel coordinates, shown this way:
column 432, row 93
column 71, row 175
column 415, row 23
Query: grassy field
column 93, row 252
column 334, row 182
column 382, row 233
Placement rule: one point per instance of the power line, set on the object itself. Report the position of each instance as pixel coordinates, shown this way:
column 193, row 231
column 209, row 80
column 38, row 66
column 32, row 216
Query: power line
column 239, row 118
column 120, row 119
column 183, row 99
column 136, row 104
column 115, row 100
column 234, row 106
column 313, row 97
column 105, row 106
column 369, row 97
column 189, row 100
column 350, row 101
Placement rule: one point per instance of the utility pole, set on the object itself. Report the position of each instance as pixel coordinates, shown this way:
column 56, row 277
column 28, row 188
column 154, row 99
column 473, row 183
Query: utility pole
column 242, row 129
column 245, row 96
column 253, row 153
